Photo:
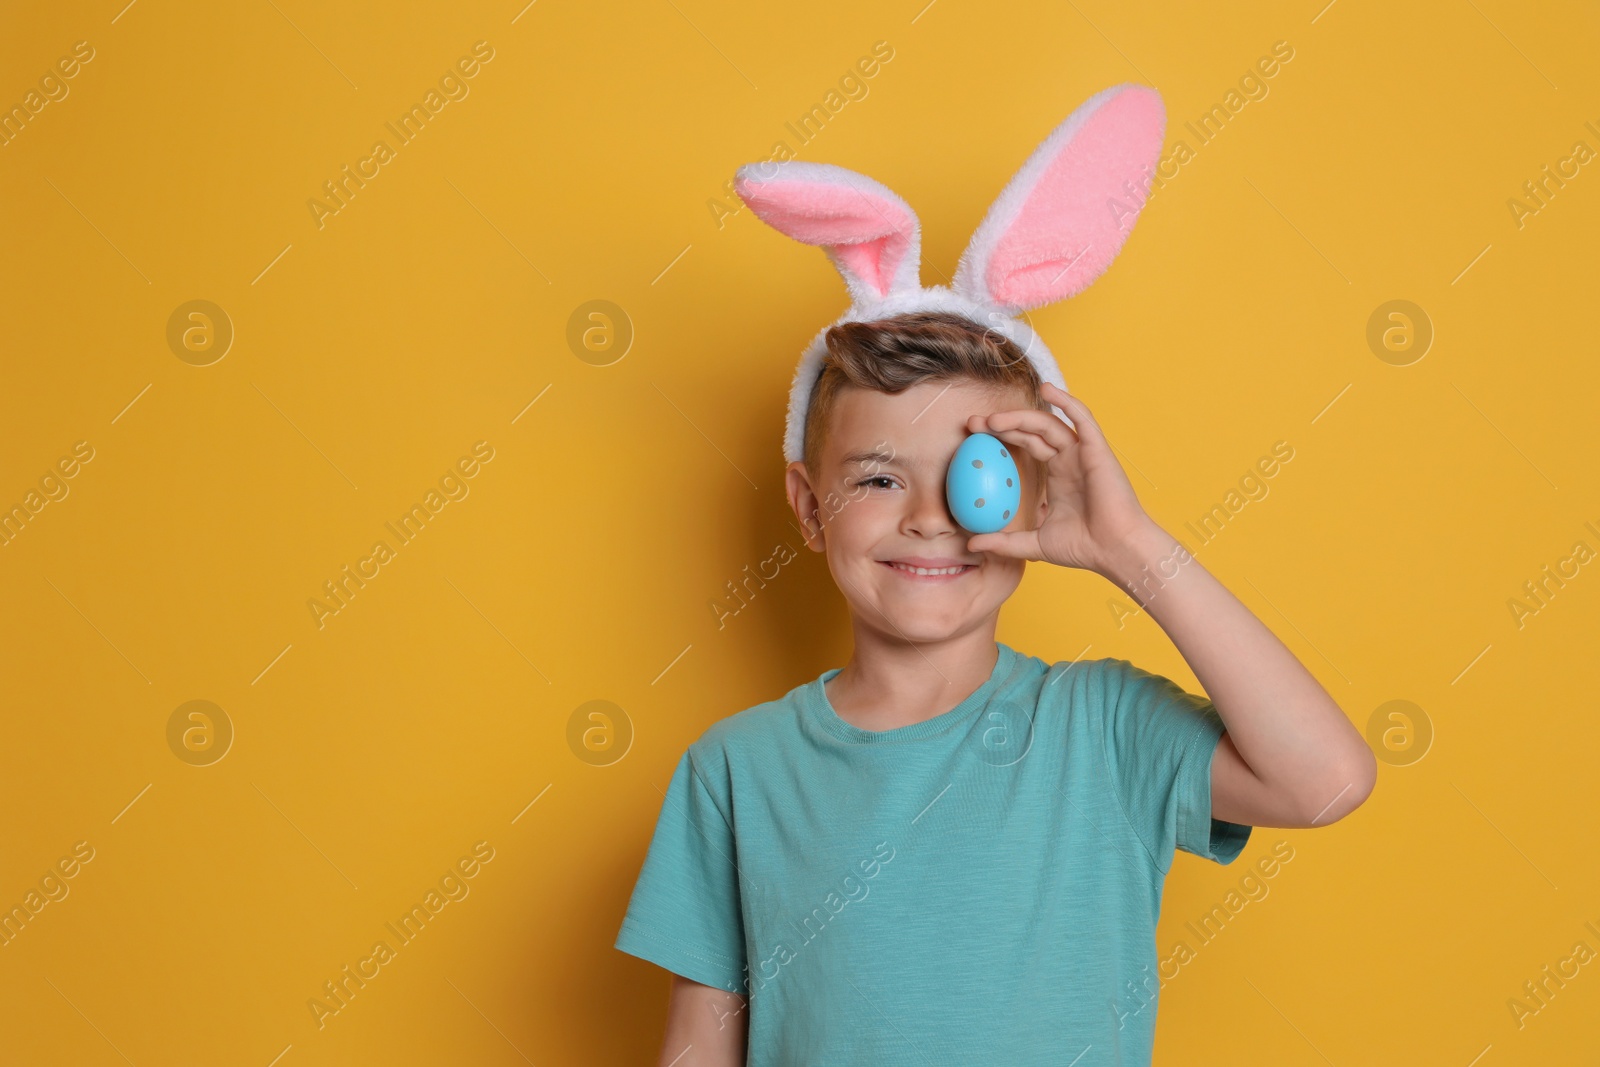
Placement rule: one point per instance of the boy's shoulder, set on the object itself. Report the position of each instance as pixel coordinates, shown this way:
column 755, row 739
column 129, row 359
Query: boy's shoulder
column 1069, row 680
column 1089, row 675
column 754, row 729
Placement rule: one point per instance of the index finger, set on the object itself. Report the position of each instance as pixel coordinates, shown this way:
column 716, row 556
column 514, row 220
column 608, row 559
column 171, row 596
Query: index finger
column 1044, row 424
column 1082, row 419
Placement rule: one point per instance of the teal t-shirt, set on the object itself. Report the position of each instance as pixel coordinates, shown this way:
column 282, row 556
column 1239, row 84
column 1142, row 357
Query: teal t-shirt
column 978, row 888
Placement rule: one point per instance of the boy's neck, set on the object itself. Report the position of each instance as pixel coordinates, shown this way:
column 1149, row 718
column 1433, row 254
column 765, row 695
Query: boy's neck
column 890, row 683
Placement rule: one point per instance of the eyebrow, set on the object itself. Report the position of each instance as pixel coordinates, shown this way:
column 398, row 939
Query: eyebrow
column 877, row 457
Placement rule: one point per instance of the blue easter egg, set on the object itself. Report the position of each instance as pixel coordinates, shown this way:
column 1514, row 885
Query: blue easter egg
column 982, row 485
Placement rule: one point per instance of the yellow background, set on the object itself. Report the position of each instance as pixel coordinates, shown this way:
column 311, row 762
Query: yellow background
column 373, row 752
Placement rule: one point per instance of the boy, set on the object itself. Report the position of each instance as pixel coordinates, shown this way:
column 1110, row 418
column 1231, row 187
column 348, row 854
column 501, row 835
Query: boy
column 950, row 852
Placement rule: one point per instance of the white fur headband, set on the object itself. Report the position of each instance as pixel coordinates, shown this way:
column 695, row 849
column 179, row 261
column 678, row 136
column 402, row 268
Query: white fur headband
column 1054, row 229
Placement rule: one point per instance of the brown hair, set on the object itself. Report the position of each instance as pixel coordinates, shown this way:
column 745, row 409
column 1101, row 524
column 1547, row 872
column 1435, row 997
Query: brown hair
column 891, row 355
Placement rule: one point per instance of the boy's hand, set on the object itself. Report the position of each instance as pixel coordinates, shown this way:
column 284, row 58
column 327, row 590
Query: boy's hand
column 1289, row 756
column 1091, row 507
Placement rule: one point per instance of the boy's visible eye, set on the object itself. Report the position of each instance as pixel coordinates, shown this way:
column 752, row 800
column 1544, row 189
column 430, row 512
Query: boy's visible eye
column 878, row 478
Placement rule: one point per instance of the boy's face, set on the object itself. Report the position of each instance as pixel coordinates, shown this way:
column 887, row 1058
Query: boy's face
column 879, row 500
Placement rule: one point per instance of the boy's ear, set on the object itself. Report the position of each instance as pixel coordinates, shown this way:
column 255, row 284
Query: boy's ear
column 803, row 499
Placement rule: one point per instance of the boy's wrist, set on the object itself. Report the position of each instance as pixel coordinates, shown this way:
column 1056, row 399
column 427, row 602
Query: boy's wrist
column 1143, row 559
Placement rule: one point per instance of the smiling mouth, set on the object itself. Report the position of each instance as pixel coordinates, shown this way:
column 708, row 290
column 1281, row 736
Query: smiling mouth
column 934, row 573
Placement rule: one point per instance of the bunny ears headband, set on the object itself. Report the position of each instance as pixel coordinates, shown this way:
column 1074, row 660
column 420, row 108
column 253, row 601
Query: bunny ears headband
column 1054, row 229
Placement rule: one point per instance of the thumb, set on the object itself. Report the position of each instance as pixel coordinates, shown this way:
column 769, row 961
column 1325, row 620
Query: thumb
column 1018, row 544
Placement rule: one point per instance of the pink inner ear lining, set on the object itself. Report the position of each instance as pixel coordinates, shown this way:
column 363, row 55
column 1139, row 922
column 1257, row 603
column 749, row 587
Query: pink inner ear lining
column 874, row 262
column 1069, row 217
column 868, row 233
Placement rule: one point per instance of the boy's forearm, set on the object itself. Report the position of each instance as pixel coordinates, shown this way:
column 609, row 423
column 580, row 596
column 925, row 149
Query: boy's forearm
column 1310, row 765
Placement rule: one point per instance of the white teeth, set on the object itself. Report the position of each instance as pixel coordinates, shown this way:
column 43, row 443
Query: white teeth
column 928, row 570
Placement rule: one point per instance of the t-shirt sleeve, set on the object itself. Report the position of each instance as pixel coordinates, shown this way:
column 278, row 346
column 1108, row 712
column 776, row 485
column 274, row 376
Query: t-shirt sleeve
column 685, row 911
column 1159, row 741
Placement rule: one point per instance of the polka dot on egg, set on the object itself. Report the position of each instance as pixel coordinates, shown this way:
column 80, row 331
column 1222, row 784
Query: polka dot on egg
column 980, row 502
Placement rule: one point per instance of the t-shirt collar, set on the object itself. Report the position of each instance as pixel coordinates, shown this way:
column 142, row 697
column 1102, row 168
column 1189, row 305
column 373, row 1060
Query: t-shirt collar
column 822, row 713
